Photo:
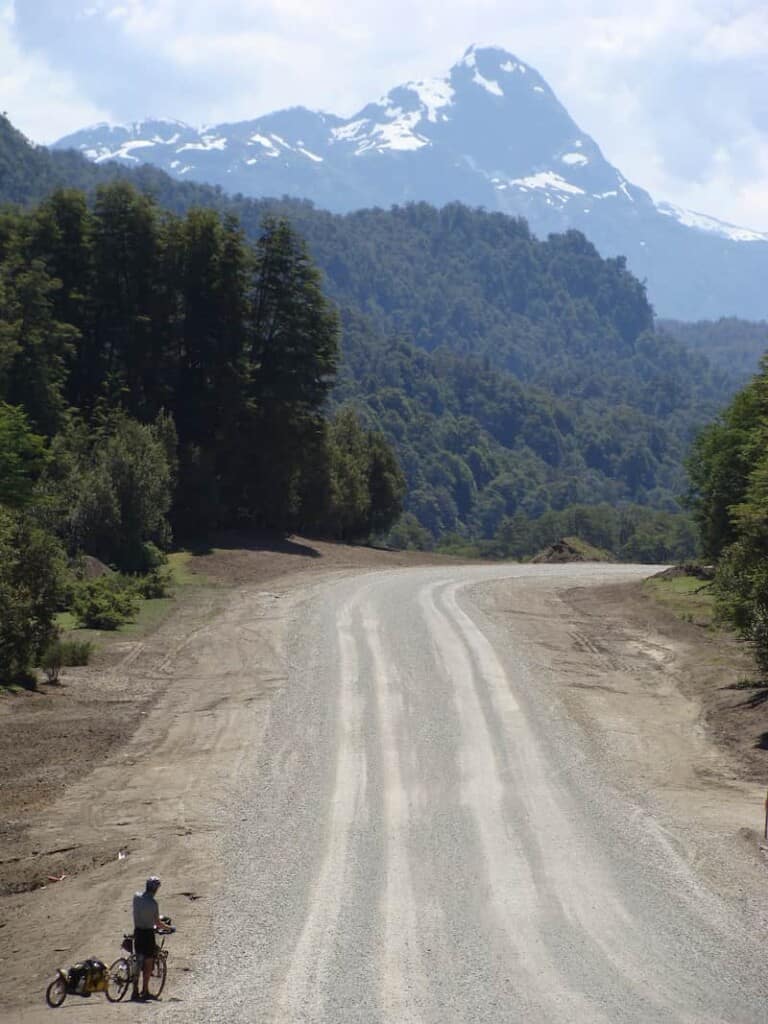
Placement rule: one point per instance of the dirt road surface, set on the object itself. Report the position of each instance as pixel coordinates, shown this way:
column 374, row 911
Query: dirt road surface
column 416, row 796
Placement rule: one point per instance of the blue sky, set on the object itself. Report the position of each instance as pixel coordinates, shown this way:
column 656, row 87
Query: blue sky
column 674, row 91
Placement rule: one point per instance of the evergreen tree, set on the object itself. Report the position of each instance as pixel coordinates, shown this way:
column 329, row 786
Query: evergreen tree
column 31, row 573
column 293, row 355
column 22, row 457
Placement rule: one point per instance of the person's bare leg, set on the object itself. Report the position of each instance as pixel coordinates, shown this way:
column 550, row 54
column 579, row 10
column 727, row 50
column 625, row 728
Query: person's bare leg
column 149, row 963
column 139, row 970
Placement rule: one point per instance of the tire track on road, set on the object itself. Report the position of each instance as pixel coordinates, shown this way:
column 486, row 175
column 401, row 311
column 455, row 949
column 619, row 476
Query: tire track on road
column 401, row 974
column 306, row 981
column 512, row 892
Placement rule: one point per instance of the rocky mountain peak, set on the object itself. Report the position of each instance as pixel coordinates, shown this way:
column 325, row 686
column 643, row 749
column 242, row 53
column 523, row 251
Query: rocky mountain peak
column 490, row 132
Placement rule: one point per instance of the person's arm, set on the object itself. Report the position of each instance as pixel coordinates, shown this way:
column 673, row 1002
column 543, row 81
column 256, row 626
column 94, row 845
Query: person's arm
column 160, row 924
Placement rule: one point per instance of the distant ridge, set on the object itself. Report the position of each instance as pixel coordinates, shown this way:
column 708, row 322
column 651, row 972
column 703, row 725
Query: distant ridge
column 490, row 133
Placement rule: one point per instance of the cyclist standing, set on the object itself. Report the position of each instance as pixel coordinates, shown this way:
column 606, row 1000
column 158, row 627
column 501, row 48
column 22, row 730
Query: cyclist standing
column 146, row 917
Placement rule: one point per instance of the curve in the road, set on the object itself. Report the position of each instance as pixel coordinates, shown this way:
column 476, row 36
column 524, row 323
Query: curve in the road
column 427, row 842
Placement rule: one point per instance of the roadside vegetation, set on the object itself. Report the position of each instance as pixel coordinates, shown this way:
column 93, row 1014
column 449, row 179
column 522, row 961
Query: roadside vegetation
column 728, row 468
column 630, row 533
column 160, row 379
column 686, row 594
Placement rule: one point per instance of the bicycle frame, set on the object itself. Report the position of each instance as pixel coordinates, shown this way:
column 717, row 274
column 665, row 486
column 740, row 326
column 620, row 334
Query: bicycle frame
column 136, row 960
column 126, row 972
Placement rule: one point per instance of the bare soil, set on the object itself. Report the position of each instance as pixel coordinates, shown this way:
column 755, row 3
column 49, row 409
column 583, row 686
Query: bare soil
column 708, row 668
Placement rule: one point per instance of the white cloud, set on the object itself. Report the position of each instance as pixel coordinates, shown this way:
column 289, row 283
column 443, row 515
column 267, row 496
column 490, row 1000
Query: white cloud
column 673, row 92
column 37, row 99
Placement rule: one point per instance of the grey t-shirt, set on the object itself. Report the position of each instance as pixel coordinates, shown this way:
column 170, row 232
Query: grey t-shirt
column 145, row 910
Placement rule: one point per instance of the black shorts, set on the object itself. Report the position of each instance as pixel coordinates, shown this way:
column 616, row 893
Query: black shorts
column 144, row 942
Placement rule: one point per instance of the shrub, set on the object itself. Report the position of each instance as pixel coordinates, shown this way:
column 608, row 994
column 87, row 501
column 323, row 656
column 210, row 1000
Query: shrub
column 76, row 652
column 64, row 654
column 106, row 602
column 31, row 568
column 151, row 556
column 760, row 638
column 51, row 661
column 156, row 583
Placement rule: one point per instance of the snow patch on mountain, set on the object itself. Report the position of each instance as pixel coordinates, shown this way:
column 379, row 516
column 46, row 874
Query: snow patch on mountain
column 624, row 189
column 547, row 180
column 488, row 84
column 396, row 134
column 692, row 219
column 123, row 152
column 513, row 65
column 207, row 142
column 348, row 132
column 434, row 95
column 574, row 159
column 268, row 144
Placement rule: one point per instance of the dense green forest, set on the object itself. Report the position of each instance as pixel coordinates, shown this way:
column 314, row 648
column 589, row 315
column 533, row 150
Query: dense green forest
column 512, row 374
column 735, row 346
column 729, row 492
column 160, row 377
column 574, row 400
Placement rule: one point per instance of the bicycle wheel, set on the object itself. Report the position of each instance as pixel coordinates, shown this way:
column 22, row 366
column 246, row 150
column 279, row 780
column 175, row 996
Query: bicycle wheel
column 56, row 992
column 157, row 977
column 119, row 979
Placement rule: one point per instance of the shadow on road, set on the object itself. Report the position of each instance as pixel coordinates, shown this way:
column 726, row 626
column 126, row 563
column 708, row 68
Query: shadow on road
column 257, row 540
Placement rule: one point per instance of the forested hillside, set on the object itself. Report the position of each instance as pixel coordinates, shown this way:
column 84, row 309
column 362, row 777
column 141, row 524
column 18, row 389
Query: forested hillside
column 734, row 346
column 542, row 376
column 514, row 375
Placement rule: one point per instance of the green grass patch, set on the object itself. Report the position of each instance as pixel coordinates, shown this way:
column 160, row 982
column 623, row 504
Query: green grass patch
column 149, row 616
column 688, row 598
column 183, row 574
column 67, row 622
column 151, row 612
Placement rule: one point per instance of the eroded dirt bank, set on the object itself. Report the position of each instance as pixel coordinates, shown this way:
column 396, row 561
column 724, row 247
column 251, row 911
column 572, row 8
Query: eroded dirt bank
column 140, row 778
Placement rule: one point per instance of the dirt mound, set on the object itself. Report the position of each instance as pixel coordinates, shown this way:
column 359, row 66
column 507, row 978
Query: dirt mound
column 92, row 568
column 570, row 549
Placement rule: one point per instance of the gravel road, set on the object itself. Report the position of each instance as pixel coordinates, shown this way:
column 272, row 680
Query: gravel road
column 423, row 837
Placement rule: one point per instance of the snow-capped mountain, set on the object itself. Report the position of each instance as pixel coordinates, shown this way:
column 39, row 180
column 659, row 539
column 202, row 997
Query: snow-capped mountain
column 490, row 133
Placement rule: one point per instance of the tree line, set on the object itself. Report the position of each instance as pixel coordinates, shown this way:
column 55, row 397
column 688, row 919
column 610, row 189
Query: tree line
column 160, row 378
column 513, row 375
column 627, row 533
column 728, row 468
